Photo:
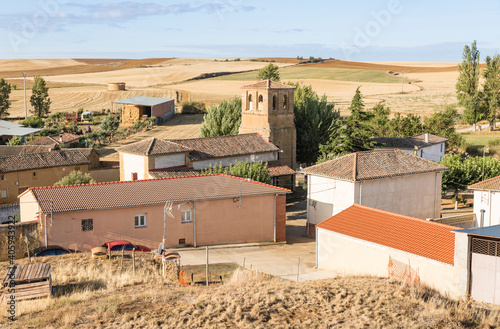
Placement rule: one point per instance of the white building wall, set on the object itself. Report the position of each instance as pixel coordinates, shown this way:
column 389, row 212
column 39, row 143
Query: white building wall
column 490, row 202
column 434, row 152
column 412, row 195
column 350, row 256
column 202, row 164
column 327, row 197
column 171, row 160
column 133, row 163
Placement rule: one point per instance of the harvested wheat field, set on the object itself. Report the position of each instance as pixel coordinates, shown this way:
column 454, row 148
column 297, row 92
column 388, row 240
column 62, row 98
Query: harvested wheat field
column 101, row 293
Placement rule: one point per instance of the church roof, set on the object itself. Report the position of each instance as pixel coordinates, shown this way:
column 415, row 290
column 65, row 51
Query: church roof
column 267, row 84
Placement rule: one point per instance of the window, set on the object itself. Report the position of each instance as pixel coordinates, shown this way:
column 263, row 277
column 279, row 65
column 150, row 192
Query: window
column 261, row 102
column 284, row 102
column 3, row 194
column 250, row 103
column 182, row 241
column 185, row 216
column 2, row 177
column 140, row 220
column 274, row 103
column 34, row 174
column 87, row 224
column 441, row 147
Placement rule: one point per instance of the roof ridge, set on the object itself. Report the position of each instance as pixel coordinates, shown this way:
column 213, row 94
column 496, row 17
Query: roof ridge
column 355, row 166
column 484, row 181
column 153, row 139
column 210, row 137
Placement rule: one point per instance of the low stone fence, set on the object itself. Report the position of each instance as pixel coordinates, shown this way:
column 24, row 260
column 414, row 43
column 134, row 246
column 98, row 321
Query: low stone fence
column 7, row 210
column 463, row 221
column 27, row 235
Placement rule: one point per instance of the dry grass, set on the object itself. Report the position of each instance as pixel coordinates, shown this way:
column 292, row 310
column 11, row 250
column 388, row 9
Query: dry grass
column 95, row 293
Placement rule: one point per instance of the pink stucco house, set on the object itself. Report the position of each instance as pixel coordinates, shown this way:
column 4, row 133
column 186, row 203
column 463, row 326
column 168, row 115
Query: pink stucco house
column 206, row 210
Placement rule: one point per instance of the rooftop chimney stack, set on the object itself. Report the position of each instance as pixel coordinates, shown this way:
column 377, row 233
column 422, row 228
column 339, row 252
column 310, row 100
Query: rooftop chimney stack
column 426, row 136
column 61, row 137
column 415, row 150
column 268, row 83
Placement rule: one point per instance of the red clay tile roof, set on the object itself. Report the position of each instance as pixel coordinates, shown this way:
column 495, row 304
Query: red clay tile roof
column 225, row 146
column 374, row 164
column 277, row 168
column 489, row 184
column 267, row 84
column 179, row 171
column 49, row 140
column 413, row 235
column 6, row 150
column 148, row 192
column 32, row 161
column 153, row 146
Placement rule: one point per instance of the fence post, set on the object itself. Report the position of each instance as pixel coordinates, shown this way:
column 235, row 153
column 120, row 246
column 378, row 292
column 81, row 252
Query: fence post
column 207, row 268
column 133, row 260
column 298, row 269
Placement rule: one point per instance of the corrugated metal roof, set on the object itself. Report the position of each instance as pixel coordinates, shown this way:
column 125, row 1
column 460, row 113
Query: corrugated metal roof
column 13, row 129
column 489, row 231
column 144, row 101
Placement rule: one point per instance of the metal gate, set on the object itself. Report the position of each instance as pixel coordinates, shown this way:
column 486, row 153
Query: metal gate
column 485, row 270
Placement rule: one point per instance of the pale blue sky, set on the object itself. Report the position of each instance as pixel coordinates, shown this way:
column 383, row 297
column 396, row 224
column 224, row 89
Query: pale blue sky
column 356, row 30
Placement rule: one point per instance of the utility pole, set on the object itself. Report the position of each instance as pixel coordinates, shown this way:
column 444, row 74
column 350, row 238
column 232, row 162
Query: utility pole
column 403, row 83
column 25, row 102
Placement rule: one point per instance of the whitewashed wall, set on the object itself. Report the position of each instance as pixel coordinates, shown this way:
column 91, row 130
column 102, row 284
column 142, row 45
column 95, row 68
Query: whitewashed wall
column 350, row 256
column 433, row 152
column 490, row 202
column 133, row 163
column 171, row 160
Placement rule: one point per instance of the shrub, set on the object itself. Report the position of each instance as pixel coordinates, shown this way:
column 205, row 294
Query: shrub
column 15, row 140
column 494, row 142
column 193, row 107
column 33, row 122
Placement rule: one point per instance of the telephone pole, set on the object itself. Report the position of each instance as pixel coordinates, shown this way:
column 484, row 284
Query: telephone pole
column 25, row 102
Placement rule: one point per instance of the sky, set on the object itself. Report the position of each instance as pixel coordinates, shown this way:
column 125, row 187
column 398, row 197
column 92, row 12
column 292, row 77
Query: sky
column 361, row 30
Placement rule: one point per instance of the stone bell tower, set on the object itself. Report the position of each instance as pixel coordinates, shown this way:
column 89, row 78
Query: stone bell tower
column 267, row 109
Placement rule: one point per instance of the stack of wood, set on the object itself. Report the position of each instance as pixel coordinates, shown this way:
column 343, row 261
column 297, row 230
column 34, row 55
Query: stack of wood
column 27, row 282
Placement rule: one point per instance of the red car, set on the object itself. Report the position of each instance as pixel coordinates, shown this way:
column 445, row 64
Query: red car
column 125, row 245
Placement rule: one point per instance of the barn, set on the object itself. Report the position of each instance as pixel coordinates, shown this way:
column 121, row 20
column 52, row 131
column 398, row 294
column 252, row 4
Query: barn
column 143, row 107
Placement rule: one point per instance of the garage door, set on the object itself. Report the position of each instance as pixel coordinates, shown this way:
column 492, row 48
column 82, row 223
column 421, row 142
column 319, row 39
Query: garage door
column 485, row 270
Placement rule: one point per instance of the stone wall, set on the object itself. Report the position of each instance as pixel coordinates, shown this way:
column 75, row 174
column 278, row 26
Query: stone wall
column 6, row 210
column 26, row 235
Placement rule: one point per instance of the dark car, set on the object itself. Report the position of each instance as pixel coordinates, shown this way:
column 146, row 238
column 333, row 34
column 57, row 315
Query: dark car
column 50, row 251
column 125, row 245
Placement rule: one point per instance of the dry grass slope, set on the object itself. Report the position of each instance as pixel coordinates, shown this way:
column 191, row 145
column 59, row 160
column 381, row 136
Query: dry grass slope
column 96, row 293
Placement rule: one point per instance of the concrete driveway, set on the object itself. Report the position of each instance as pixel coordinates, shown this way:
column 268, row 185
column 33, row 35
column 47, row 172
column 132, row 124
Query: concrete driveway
column 281, row 259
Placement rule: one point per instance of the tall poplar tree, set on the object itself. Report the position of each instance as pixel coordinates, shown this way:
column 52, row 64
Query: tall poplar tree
column 467, row 85
column 40, row 98
column 491, row 89
column 5, row 89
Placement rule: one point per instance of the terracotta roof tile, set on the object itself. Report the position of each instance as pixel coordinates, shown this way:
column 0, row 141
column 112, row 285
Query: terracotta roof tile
column 277, row 168
column 148, row 192
column 55, row 139
column 267, row 84
column 43, row 160
column 413, row 235
column 153, row 146
column 224, row 146
column 489, row 184
column 374, row 164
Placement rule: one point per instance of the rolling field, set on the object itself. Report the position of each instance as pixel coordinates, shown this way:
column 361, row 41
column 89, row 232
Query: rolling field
column 81, row 83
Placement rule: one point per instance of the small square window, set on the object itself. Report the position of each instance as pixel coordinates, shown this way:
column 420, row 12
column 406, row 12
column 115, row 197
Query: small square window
column 87, row 224
column 185, row 216
column 34, row 174
column 182, row 241
column 2, row 177
column 3, row 194
column 140, row 220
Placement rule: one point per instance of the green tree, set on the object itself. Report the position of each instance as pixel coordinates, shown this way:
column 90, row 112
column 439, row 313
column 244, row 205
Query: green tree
column 316, row 120
column 354, row 135
column 223, row 119
column 379, row 120
column 109, row 126
column 491, row 89
column 443, row 124
column 270, row 71
column 405, row 126
column 33, row 122
column 467, row 85
column 15, row 140
column 40, row 100
column 256, row 171
column 74, row 178
column 5, row 89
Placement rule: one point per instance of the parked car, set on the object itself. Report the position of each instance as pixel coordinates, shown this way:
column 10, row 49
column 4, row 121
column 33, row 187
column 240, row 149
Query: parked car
column 50, row 251
column 126, row 245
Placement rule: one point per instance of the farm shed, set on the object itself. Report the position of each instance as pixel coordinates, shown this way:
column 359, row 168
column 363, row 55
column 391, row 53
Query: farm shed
column 9, row 129
column 363, row 241
column 487, row 202
column 143, row 107
column 27, row 281
column 206, row 210
column 483, row 255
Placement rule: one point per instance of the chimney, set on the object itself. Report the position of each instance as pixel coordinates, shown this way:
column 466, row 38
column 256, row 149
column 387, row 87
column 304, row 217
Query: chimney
column 134, row 176
column 61, row 137
column 268, row 83
column 426, row 136
column 415, row 150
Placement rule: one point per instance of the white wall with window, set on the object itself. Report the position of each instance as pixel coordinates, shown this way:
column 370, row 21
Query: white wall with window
column 133, row 163
column 140, row 220
column 186, row 216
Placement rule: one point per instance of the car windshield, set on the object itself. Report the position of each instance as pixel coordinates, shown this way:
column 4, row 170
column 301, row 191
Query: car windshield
column 119, row 247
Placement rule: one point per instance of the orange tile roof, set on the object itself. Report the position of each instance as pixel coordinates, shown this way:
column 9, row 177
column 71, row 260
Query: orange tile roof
column 267, row 84
column 61, row 138
column 489, row 184
column 277, row 168
column 374, row 164
column 409, row 234
column 153, row 146
column 147, row 192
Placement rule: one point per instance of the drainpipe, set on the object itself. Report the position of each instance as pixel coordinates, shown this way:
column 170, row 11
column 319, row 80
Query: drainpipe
column 435, row 195
column 275, row 196
column 317, row 238
column 482, row 218
column 194, row 224
column 46, row 245
column 360, row 190
column 489, row 214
